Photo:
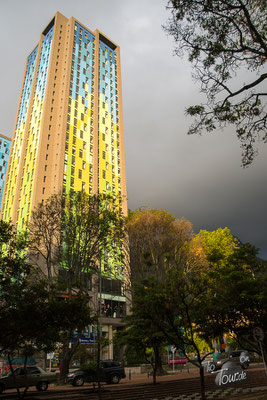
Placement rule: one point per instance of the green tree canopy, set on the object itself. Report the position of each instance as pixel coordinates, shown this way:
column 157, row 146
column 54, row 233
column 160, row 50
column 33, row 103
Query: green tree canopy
column 72, row 238
column 30, row 319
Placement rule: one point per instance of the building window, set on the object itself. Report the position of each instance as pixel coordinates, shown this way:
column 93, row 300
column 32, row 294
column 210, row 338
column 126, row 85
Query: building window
column 104, row 174
column 80, row 174
column 80, row 153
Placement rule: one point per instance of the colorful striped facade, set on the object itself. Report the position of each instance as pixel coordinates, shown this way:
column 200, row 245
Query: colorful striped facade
column 68, row 135
column 69, row 128
column 5, row 143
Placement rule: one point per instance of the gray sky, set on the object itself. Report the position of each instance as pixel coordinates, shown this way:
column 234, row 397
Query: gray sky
column 198, row 178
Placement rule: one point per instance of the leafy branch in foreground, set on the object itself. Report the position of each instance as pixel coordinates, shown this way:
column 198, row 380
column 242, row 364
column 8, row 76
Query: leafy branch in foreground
column 222, row 37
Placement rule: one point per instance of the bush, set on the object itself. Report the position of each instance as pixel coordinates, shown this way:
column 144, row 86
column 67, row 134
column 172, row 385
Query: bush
column 133, row 356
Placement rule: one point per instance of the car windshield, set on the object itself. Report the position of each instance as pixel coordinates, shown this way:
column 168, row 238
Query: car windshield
column 30, row 370
column 221, row 356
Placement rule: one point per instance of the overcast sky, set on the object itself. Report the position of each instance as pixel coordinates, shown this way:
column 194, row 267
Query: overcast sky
column 198, row 178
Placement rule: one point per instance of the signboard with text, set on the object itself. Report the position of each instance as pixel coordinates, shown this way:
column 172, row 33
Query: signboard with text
column 83, row 340
column 177, row 361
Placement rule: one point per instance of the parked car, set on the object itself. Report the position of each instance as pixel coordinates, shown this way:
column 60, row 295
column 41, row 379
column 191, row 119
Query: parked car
column 110, row 372
column 35, row 376
column 238, row 357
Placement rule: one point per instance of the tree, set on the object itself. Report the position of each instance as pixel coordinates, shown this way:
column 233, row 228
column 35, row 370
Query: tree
column 168, row 308
column 237, row 289
column 223, row 37
column 92, row 234
column 166, row 264
column 46, row 235
column 142, row 333
column 30, row 321
column 83, row 236
column 156, row 241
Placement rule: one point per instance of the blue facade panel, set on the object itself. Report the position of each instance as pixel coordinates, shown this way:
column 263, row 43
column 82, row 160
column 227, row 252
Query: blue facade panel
column 4, row 154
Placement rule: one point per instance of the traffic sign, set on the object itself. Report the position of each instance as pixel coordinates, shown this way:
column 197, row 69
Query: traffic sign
column 173, row 349
column 258, row 333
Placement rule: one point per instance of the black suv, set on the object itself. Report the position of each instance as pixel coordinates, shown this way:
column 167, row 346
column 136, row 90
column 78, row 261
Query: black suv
column 239, row 357
column 111, row 372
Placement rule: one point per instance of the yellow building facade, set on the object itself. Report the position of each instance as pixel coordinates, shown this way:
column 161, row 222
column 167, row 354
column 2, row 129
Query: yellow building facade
column 69, row 126
column 68, row 135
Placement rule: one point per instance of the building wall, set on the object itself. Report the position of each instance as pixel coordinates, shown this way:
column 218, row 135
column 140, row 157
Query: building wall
column 5, row 143
column 68, row 132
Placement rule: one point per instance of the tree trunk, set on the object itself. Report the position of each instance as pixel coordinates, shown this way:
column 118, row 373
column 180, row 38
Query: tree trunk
column 98, row 360
column 264, row 349
column 202, row 382
column 156, row 364
column 25, row 373
column 160, row 367
column 13, row 376
column 154, row 375
column 67, row 357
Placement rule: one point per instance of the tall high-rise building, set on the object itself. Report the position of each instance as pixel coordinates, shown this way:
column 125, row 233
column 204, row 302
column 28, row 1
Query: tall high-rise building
column 68, row 132
column 4, row 154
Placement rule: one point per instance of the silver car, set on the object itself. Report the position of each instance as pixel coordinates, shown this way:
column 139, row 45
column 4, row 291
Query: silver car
column 238, row 357
column 35, row 376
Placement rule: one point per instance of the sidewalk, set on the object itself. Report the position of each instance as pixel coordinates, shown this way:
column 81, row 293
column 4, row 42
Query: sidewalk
column 146, row 378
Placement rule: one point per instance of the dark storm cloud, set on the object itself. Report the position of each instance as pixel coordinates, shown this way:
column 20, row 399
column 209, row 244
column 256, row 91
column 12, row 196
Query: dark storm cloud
column 199, row 178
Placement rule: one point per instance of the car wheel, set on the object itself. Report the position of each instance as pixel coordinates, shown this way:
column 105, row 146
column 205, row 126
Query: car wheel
column 114, row 379
column 78, row 381
column 42, row 386
column 2, row 388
